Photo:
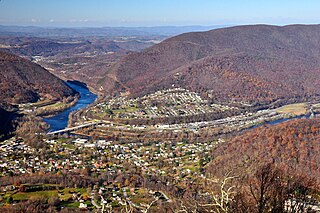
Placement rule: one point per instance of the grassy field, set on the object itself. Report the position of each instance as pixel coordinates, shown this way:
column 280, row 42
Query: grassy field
column 66, row 194
column 73, row 205
column 142, row 196
column 56, row 105
column 34, row 195
column 39, row 103
column 316, row 105
column 296, row 109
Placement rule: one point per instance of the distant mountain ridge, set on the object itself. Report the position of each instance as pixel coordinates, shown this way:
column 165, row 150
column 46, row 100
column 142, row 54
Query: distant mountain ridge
column 246, row 63
column 99, row 31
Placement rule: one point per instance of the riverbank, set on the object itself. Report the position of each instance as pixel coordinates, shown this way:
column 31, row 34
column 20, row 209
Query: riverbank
column 60, row 106
column 125, row 130
column 60, row 120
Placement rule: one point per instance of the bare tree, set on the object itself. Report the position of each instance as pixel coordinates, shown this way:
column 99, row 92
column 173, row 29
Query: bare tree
column 149, row 205
column 221, row 200
column 272, row 190
column 184, row 209
column 262, row 186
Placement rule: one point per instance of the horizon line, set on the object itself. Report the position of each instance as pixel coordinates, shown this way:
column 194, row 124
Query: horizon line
column 155, row 26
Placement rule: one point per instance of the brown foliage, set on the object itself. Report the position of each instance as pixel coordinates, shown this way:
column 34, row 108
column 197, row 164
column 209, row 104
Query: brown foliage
column 22, row 81
column 250, row 63
column 293, row 145
column 271, row 189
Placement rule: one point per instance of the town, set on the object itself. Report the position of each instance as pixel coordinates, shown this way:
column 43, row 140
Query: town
column 163, row 103
column 147, row 151
column 178, row 162
column 178, row 113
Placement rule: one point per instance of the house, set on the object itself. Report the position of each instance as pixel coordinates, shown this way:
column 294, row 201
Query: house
column 90, row 145
column 80, row 141
column 83, row 206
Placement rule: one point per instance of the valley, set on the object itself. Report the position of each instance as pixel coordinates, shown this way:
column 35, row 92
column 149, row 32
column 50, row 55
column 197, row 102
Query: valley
column 179, row 114
column 146, row 123
column 81, row 58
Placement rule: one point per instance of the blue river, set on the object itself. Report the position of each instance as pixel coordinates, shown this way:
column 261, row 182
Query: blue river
column 60, row 121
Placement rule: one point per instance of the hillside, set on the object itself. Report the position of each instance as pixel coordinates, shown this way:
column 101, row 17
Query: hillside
column 245, row 63
column 293, row 145
column 79, row 58
column 7, row 114
column 48, row 47
column 22, row 81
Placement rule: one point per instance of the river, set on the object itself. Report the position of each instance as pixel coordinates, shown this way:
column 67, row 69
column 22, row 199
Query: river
column 274, row 122
column 60, row 121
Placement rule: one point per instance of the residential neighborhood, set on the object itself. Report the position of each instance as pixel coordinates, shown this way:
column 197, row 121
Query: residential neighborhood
column 178, row 162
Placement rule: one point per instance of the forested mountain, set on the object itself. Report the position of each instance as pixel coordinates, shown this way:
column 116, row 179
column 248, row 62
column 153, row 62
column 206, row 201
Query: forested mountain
column 22, row 81
column 7, row 113
column 248, row 63
column 293, row 146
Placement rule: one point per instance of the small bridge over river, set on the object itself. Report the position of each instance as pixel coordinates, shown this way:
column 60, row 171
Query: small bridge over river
column 71, row 129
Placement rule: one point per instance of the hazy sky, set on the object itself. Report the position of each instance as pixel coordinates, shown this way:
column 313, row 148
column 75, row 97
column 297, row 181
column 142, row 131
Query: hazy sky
column 157, row 12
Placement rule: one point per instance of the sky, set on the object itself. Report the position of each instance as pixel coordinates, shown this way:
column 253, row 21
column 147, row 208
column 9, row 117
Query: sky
column 96, row 13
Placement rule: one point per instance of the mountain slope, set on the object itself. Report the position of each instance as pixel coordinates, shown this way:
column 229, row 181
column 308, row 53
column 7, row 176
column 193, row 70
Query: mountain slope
column 247, row 63
column 7, row 114
column 292, row 145
column 22, row 81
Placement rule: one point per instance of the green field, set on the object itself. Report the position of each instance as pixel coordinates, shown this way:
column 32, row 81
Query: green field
column 64, row 194
column 20, row 196
column 39, row 103
column 53, row 106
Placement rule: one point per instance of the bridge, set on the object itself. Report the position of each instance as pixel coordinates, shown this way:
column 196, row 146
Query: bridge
column 74, row 128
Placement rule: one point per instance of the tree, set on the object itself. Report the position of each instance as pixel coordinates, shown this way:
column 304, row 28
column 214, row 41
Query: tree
column 54, row 201
column 222, row 198
column 127, row 182
column 264, row 188
column 9, row 200
column 22, row 188
column 271, row 189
